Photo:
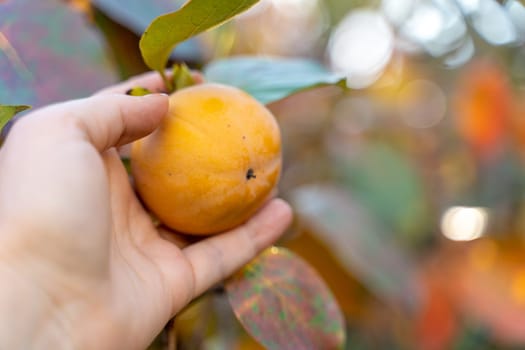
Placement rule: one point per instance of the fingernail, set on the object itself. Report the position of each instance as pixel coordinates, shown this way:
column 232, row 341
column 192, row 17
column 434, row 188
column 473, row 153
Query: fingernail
column 281, row 208
column 156, row 94
column 275, row 218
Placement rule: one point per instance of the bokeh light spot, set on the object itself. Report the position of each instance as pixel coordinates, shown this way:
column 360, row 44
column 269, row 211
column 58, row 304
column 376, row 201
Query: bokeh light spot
column 516, row 11
column 493, row 23
column 353, row 115
column 464, row 223
column 281, row 28
column 361, row 46
column 461, row 55
column 397, row 11
column 469, row 6
column 424, row 105
column 295, row 7
column 425, row 23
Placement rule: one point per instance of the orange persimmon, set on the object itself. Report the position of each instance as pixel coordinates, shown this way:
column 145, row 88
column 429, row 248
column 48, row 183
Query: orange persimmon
column 212, row 163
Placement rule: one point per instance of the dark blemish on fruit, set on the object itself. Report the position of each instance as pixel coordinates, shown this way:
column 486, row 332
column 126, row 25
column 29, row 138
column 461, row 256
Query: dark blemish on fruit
column 244, row 137
column 169, row 174
column 229, row 125
column 250, row 174
column 129, row 92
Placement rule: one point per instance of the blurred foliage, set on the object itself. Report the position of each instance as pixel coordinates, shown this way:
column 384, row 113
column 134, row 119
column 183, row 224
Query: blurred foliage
column 48, row 53
column 408, row 187
column 122, row 45
column 136, row 15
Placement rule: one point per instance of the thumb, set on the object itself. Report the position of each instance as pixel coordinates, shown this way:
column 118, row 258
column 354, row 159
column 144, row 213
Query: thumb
column 113, row 119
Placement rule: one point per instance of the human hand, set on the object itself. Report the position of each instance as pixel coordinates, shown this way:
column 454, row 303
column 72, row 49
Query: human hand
column 81, row 264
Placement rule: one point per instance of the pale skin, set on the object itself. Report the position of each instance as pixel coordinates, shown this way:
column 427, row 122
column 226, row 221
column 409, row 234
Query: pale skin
column 82, row 266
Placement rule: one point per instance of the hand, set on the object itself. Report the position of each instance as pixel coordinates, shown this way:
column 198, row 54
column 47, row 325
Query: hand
column 81, row 264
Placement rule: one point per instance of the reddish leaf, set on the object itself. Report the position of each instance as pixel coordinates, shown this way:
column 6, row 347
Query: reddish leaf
column 435, row 323
column 490, row 286
column 284, row 304
column 48, row 53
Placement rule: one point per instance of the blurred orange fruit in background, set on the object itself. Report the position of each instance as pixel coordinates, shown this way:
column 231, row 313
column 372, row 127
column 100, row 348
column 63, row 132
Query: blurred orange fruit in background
column 483, row 106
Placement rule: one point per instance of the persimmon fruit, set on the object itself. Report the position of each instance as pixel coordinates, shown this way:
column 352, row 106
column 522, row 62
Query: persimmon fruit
column 212, row 163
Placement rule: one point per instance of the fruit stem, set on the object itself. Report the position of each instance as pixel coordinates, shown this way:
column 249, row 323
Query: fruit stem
column 167, row 82
column 172, row 335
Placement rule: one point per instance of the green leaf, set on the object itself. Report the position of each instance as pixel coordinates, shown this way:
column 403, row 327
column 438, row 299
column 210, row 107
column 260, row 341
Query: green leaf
column 8, row 112
column 138, row 91
column 193, row 18
column 182, row 77
column 271, row 79
column 395, row 196
column 284, row 304
column 127, row 164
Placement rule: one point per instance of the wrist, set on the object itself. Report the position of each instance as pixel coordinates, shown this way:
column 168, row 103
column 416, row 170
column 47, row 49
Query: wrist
column 34, row 315
column 28, row 317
